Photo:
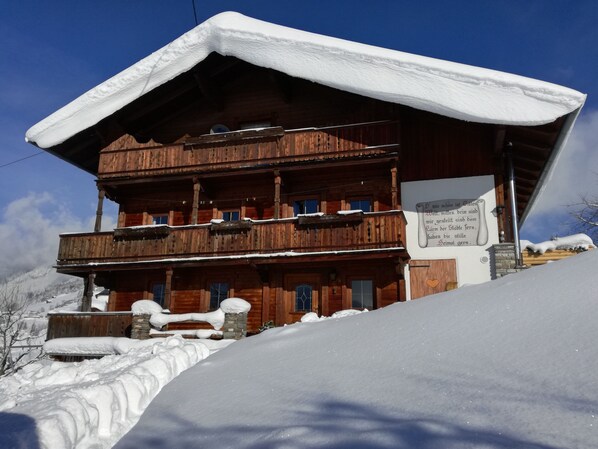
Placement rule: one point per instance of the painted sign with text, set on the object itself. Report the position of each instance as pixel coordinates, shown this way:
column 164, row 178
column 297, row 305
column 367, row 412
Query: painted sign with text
column 452, row 222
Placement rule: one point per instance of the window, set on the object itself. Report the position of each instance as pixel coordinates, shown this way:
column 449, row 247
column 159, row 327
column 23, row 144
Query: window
column 158, row 293
column 306, row 206
column 230, row 215
column 160, row 219
column 362, row 294
column 303, row 294
column 364, row 204
column 218, row 293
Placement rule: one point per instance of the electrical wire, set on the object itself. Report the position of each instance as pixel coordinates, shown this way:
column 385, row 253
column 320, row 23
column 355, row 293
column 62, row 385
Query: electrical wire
column 194, row 12
column 22, row 159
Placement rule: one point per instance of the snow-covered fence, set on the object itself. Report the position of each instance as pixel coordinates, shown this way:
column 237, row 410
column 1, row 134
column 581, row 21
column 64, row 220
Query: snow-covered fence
column 228, row 322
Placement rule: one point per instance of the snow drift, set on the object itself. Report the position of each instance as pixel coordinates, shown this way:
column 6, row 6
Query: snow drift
column 512, row 363
column 447, row 88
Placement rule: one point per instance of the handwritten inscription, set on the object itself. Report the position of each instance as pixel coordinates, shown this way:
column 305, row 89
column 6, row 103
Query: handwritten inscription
column 452, row 222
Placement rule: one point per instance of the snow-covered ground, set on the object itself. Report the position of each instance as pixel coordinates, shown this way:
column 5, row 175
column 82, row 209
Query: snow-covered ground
column 512, row 363
column 92, row 403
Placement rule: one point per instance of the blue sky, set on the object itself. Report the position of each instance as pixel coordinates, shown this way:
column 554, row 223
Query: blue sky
column 51, row 52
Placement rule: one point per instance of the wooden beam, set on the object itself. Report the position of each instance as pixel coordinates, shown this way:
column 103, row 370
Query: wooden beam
column 394, row 189
column 196, row 189
column 99, row 211
column 168, row 288
column 277, row 184
column 87, row 293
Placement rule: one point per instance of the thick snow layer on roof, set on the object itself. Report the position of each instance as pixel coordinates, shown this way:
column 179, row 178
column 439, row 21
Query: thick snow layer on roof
column 511, row 363
column 447, row 88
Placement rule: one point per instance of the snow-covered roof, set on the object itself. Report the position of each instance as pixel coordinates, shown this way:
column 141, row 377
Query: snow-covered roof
column 447, row 88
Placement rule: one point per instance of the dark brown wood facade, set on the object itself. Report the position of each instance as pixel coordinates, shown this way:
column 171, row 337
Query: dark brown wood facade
column 292, row 142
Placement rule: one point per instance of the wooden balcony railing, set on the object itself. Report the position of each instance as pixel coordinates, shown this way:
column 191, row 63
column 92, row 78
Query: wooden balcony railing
column 89, row 324
column 376, row 230
column 245, row 149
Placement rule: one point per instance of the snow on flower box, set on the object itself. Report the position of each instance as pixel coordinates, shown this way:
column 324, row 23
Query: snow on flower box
column 142, row 232
column 230, row 226
column 339, row 219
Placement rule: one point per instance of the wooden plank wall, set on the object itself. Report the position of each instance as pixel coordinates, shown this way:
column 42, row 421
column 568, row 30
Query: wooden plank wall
column 92, row 324
column 435, row 147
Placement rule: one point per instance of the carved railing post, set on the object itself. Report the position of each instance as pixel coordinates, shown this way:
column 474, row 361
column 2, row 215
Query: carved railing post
column 99, row 210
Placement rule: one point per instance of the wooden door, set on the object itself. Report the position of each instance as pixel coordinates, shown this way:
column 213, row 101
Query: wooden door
column 432, row 276
column 301, row 295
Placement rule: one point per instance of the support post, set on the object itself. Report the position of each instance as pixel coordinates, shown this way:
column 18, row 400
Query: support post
column 168, row 288
column 99, row 210
column 394, row 189
column 87, row 293
column 513, row 202
column 277, row 183
column 194, row 212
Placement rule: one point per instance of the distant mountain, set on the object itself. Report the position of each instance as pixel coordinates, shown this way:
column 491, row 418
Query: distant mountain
column 44, row 289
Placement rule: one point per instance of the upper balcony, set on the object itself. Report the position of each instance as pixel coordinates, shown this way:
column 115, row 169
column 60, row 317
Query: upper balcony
column 258, row 148
column 306, row 236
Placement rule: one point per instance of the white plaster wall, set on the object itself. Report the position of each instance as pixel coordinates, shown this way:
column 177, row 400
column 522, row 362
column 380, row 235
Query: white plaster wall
column 473, row 262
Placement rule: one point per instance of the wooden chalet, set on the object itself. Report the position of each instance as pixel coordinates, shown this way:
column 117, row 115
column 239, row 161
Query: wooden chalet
column 237, row 177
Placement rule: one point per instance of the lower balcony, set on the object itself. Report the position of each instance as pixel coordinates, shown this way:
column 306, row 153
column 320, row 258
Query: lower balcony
column 313, row 236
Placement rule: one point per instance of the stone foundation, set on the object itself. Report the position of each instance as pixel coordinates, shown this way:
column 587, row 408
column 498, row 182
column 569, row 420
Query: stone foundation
column 235, row 326
column 140, row 327
column 503, row 260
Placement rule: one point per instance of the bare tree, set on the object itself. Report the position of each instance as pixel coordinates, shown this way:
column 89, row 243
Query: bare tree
column 16, row 335
column 586, row 214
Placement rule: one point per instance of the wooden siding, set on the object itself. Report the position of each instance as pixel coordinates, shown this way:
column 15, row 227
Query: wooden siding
column 92, row 324
column 532, row 259
column 335, row 142
column 376, row 230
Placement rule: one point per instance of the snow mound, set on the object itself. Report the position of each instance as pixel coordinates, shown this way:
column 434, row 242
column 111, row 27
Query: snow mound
column 92, row 403
column 570, row 242
column 215, row 318
column 511, row 363
column 145, row 307
column 312, row 317
column 447, row 88
column 235, row 305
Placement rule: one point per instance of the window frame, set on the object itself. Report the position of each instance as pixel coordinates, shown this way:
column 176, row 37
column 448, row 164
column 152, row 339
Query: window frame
column 303, row 199
column 153, row 286
column 311, row 298
column 351, row 280
column 230, row 211
column 350, row 199
column 229, row 292
column 162, row 216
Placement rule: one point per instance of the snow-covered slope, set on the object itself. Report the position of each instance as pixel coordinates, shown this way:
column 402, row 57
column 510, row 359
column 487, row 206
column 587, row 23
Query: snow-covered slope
column 512, row 363
column 447, row 88
column 45, row 289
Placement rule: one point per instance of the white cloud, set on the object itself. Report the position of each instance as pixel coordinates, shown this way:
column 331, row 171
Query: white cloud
column 575, row 175
column 29, row 231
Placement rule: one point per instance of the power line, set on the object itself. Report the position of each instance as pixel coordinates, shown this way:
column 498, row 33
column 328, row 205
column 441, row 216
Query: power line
column 22, row 159
column 194, row 12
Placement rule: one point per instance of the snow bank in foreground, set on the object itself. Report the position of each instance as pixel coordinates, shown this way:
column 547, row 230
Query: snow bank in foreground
column 91, row 403
column 509, row 364
column 312, row 317
column 570, row 242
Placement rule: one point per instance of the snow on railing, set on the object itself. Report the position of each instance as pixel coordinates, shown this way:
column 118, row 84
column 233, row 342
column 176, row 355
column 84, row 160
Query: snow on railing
column 158, row 319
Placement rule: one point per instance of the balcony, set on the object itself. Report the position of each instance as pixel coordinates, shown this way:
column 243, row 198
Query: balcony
column 270, row 147
column 257, row 241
